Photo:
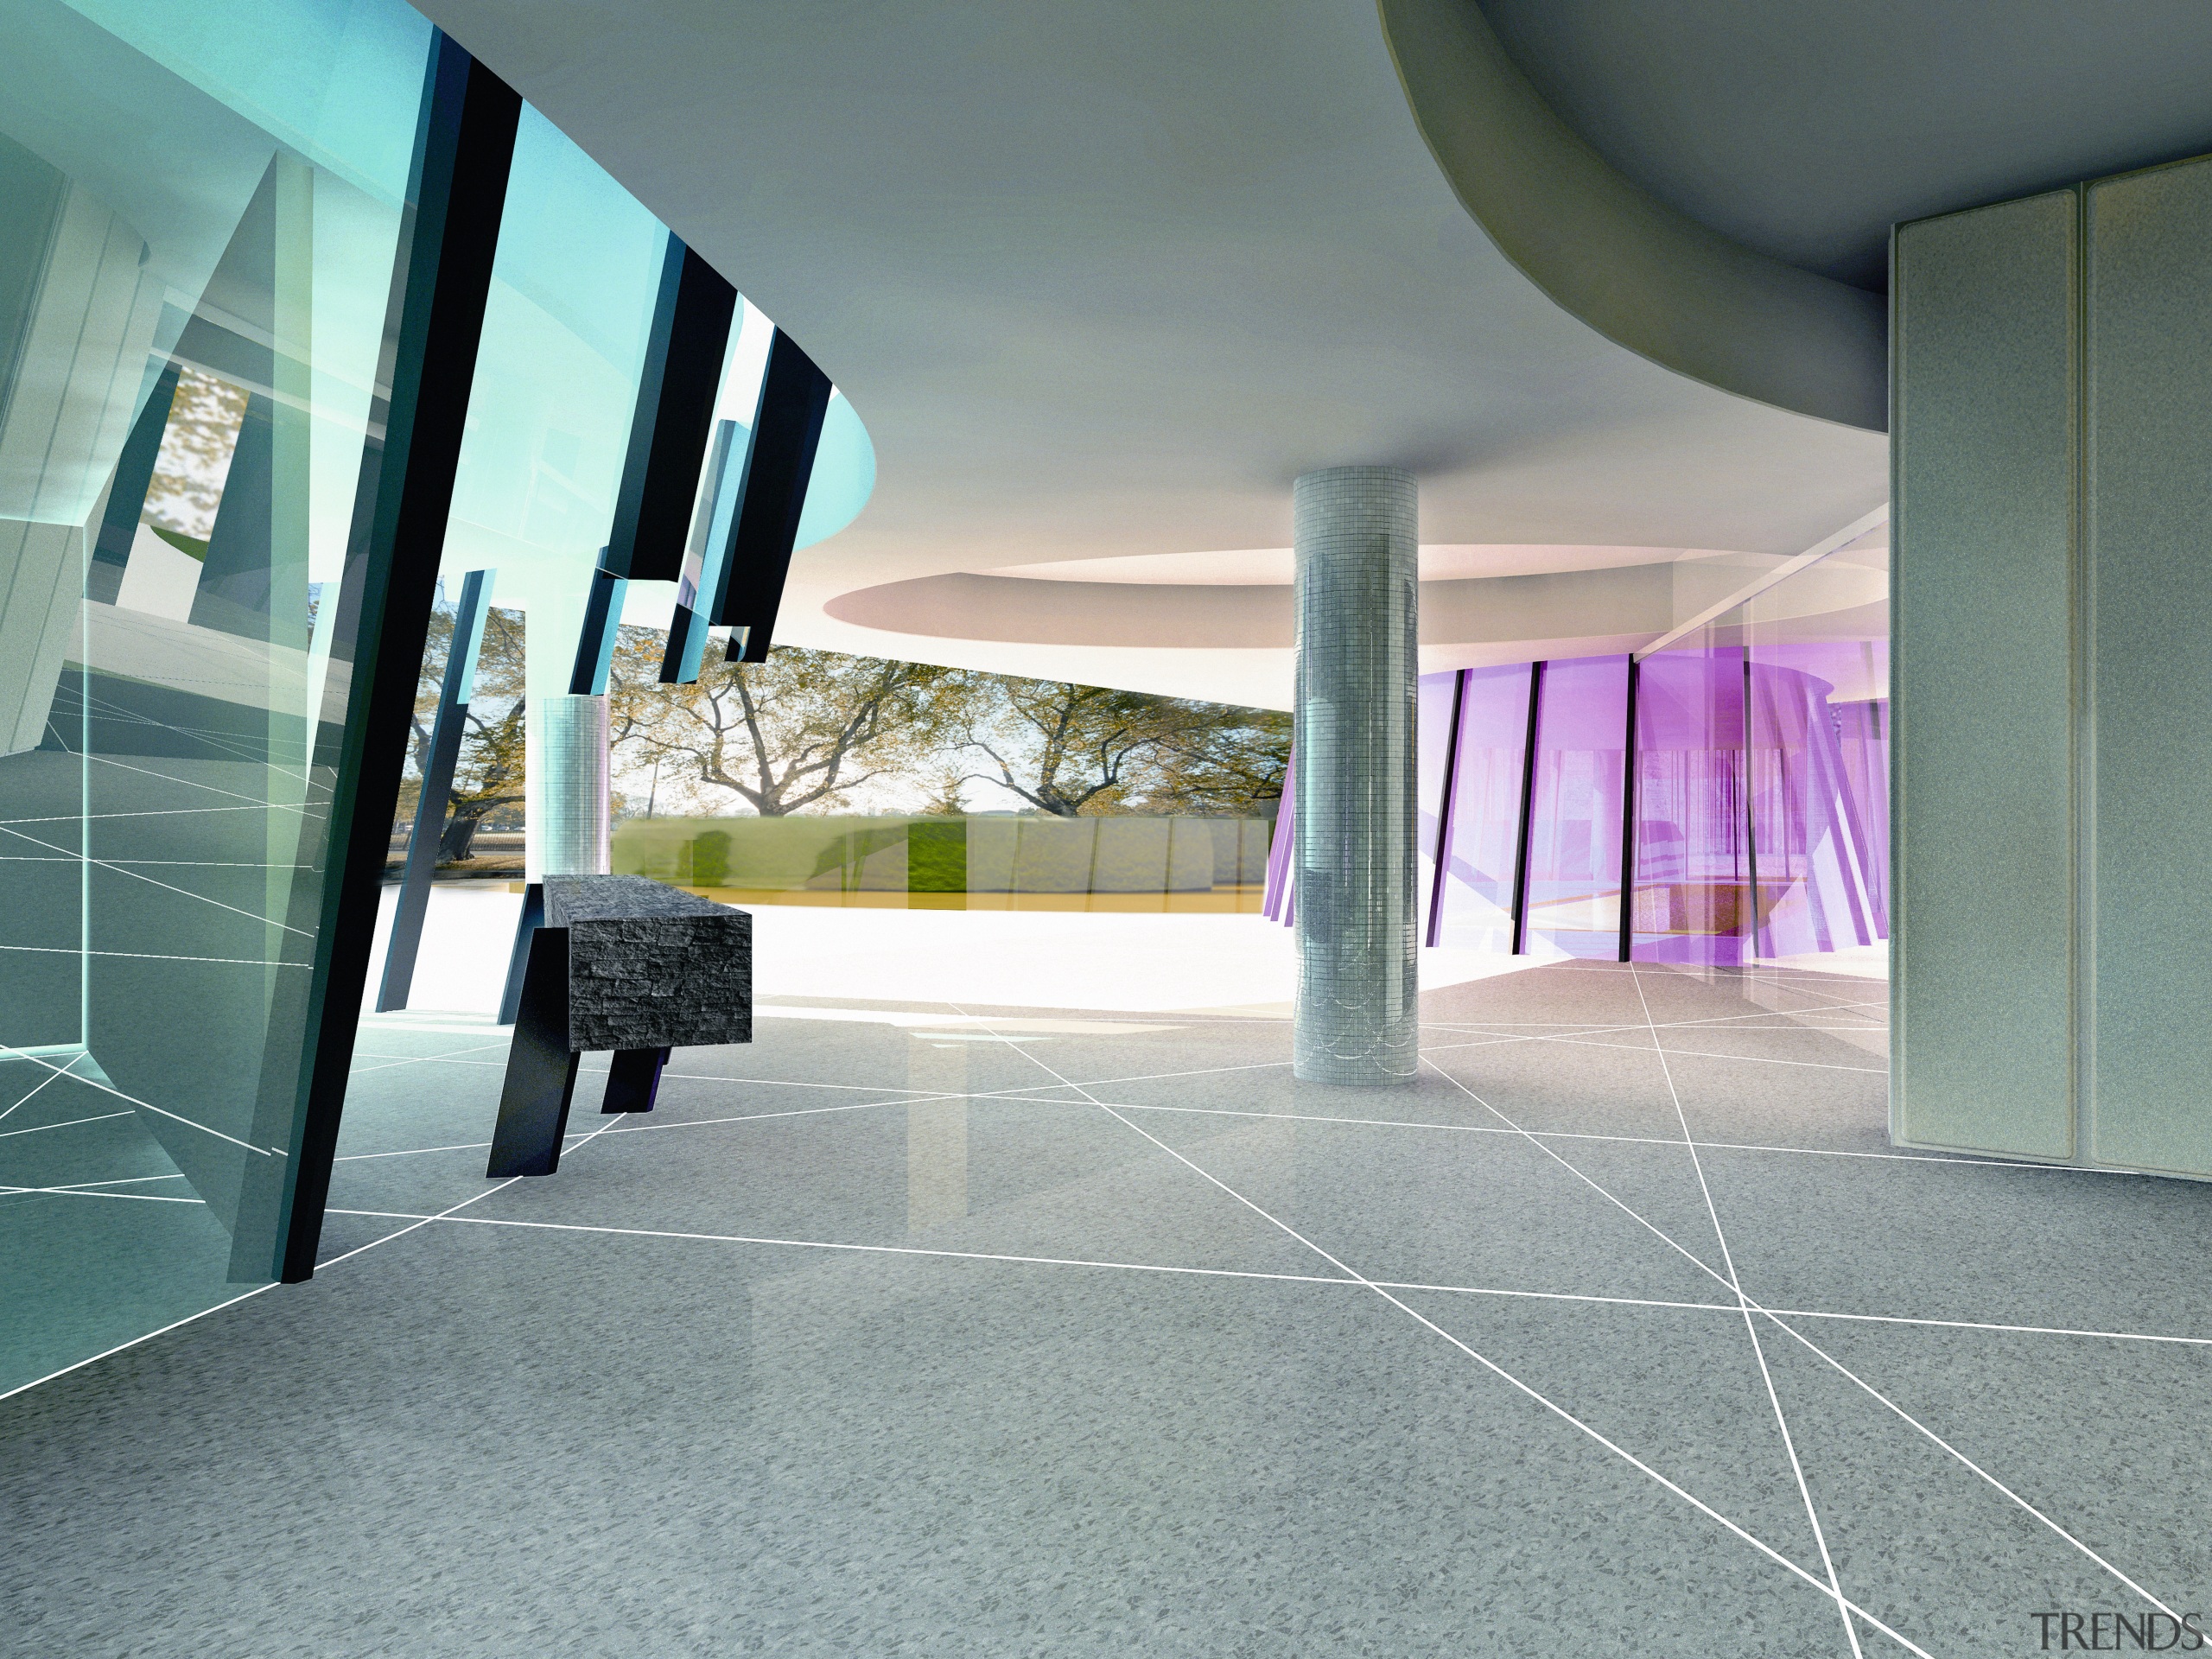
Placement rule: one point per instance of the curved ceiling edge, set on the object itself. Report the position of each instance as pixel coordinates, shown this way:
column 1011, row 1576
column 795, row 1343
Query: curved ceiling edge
column 1637, row 602
column 1641, row 273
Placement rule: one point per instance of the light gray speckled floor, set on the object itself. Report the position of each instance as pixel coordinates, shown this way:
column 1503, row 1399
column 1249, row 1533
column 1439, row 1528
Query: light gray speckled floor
column 1113, row 1339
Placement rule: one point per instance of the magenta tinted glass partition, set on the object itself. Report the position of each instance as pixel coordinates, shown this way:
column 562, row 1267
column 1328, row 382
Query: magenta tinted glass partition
column 1433, row 737
column 1574, row 831
column 1747, row 775
column 1824, row 792
column 1692, row 846
column 1802, row 810
column 1484, row 811
column 1863, row 740
column 1810, row 848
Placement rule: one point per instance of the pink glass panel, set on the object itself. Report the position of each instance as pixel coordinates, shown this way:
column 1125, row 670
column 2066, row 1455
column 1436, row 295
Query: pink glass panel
column 1432, row 736
column 1692, row 874
column 1574, row 838
column 1813, row 780
column 1485, row 812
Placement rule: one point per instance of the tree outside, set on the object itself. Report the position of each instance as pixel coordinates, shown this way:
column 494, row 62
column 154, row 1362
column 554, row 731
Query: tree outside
column 805, row 730
column 488, row 778
column 1072, row 750
column 825, row 732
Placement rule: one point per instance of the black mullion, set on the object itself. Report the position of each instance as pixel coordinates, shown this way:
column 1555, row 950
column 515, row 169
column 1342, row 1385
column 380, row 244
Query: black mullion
column 464, row 149
column 1628, row 820
column 772, row 494
column 413, row 902
column 1527, row 815
column 1444, row 812
column 678, row 390
column 1751, row 810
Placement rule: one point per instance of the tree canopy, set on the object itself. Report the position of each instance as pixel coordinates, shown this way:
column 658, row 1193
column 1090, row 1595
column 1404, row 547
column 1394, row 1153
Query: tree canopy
column 1071, row 749
column 490, row 771
column 802, row 729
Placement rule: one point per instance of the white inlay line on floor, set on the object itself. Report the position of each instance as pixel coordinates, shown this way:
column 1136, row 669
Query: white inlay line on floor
column 94, row 1083
column 708, row 1122
column 1041, row 1097
column 1751, row 1329
column 1829, row 1589
column 35, row 1088
column 94, row 1192
column 1773, row 1316
column 448, row 1214
column 453, row 1058
column 823, row 1111
column 185, row 893
column 1593, row 1027
column 1567, row 1030
column 1683, row 1053
column 233, row 1301
column 188, row 783
column 1497, row 1291
column 67, row 1123
column 388, row 1063
column 153, row 812
column 153, row 956
column 105, row 1353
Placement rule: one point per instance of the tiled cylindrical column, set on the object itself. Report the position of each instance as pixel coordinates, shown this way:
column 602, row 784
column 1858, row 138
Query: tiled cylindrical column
column 1359, row 660
column 573, row 798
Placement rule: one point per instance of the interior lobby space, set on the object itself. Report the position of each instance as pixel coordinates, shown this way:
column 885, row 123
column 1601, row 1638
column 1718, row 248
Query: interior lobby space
column 989, row 829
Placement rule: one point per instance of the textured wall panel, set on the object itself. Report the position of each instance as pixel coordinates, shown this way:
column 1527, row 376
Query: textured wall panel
column 1358, row 658
column 2147, row 469
column 1983, row 450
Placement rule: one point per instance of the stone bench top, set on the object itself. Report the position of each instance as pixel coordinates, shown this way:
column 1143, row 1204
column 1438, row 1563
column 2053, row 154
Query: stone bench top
column 650, row 966
column 571, row 899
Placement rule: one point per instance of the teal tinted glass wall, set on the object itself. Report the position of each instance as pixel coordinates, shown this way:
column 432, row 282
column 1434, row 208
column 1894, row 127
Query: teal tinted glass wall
column 565, row 331
column 201, row 211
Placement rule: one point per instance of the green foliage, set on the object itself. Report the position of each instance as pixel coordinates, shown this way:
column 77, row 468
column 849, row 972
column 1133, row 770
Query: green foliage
column 802, row 730
column 1070, row 749
column 936, row 856
column 489, row 776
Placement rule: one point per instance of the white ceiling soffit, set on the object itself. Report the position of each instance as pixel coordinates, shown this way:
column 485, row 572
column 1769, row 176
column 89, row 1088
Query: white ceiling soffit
column 1102, row 280
column 1257, row 567
column 1643, row 601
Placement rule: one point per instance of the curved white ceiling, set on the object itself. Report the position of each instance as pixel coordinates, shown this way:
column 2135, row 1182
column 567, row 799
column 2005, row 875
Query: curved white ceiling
column 1276, row 566
column 1102, row 280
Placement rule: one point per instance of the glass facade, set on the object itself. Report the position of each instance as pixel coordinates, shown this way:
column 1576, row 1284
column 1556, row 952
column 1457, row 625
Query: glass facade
column 1572, row 886
column 205, row 214
column 956, row 861
column 1482, row 818
column 212, row 230
column 1761, row 767
column 574, row 285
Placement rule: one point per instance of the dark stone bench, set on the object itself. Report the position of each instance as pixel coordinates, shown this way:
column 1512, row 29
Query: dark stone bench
column 621, row 962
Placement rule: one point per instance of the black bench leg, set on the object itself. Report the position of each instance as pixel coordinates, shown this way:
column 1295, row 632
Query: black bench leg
column 633, row 1080
column 541, row 1071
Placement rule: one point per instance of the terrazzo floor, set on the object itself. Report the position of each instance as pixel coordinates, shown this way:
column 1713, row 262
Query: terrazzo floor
column 980, row 1331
